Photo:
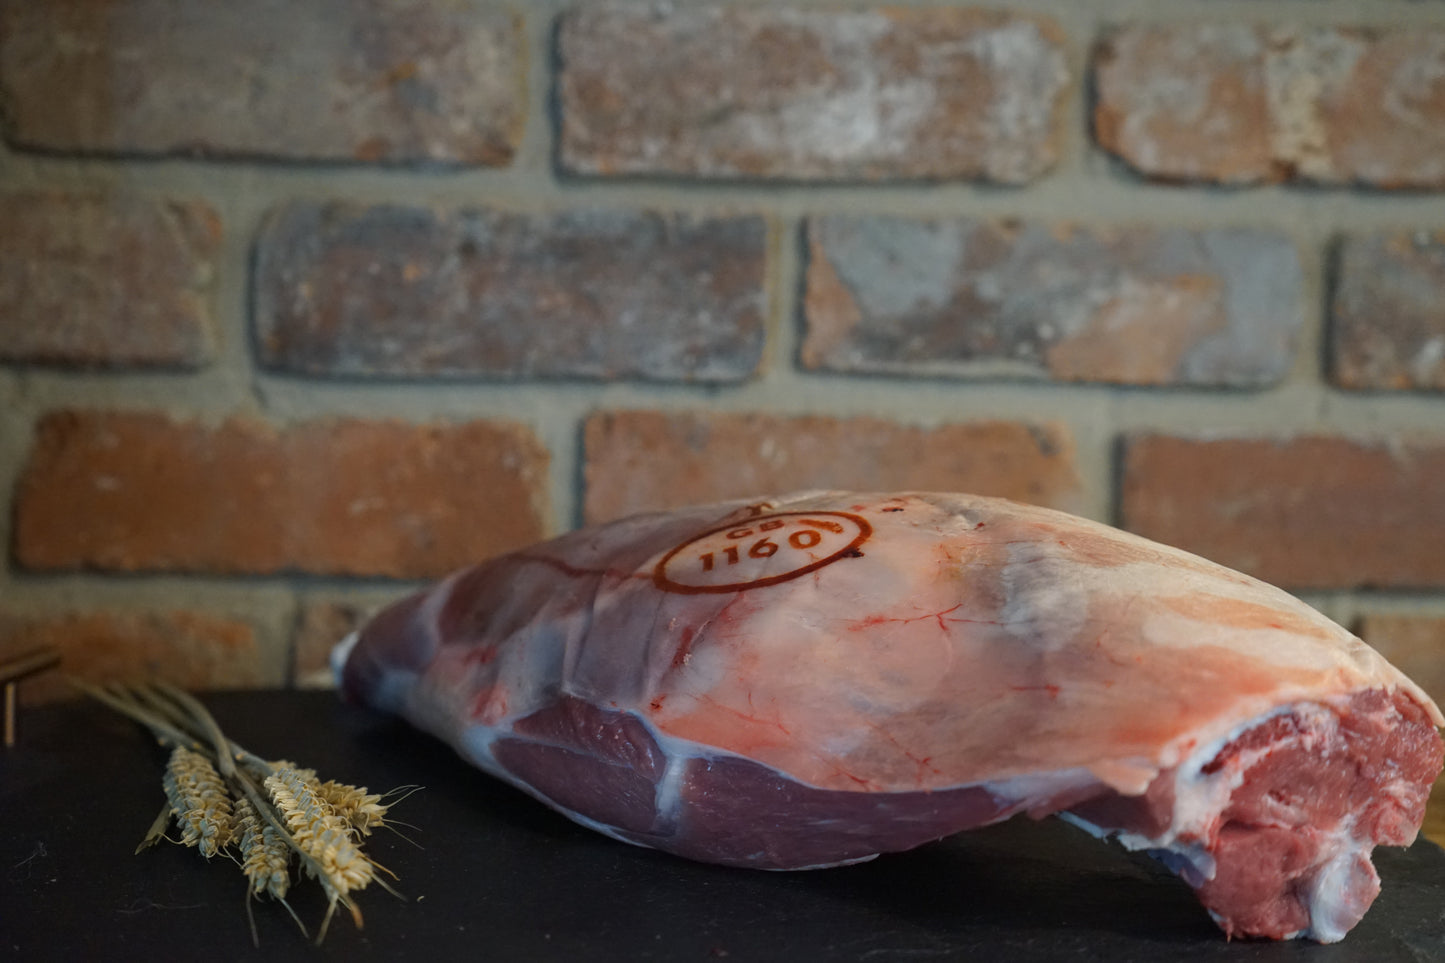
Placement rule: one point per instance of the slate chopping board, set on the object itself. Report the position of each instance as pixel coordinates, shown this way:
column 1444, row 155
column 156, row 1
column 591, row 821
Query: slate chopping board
column 498, row 877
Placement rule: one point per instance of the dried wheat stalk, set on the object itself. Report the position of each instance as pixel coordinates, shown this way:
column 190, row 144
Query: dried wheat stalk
column 223, row 796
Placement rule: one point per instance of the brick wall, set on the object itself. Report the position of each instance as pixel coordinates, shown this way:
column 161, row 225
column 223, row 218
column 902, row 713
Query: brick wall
column 303, row 304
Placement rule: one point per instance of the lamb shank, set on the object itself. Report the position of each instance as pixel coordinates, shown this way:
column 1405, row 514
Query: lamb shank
column 819, row 678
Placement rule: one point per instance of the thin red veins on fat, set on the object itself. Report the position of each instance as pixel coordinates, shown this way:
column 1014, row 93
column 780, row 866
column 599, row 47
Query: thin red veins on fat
column 691, row 635
column 724, row 617
column 942, row 617
column 749, row 717
column 922, row 762
column 1052, row 690
column 865, row 783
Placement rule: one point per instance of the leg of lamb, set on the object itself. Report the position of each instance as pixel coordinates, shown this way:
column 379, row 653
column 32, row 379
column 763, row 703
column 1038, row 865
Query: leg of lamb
column 820, row 678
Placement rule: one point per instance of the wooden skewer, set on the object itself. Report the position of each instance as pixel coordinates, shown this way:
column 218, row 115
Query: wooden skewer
column 15, row 669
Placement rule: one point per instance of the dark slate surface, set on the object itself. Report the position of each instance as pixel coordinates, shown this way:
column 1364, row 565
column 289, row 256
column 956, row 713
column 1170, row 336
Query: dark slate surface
column 500, row 878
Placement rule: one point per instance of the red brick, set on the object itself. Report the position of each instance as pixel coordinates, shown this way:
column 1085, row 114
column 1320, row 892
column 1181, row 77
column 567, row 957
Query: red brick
column 188, row 649
column 1126, row 305
column 1389, row 312
column 319, row 626
column 134, row 492
column 1311, row 512
column 106, row 280
column 402, row 292
column 371, row 80
column 792, row 93
column 1241, row 104
column 644, row 460
column 1414, row 644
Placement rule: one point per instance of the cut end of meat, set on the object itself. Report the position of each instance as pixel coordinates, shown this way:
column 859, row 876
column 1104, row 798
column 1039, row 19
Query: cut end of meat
column 1319, row 791
column 1275, row 829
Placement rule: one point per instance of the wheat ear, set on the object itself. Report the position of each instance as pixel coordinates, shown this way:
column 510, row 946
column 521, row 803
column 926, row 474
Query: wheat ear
column 361, row 811
column 265, row 857
column 323, row 836
column 199, row 801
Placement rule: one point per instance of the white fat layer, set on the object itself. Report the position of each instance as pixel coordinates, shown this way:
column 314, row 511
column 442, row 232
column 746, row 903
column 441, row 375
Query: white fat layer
column 669, row 788
column 1333, row 908
column 475, row 743
column 340, row 652
column 1084, row 824
column 1035, row 788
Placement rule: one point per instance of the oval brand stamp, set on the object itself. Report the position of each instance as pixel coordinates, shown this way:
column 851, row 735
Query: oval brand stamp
column 763, row 550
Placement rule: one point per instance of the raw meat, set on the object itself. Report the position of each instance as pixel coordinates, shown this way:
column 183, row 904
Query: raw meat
column 817, row 679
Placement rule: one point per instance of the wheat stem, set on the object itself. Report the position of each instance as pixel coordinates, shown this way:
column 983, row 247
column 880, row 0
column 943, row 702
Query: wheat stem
column 160, row 728
column 207, row 722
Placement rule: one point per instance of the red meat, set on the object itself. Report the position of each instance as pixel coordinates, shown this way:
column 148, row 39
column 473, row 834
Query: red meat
column 816, row 680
